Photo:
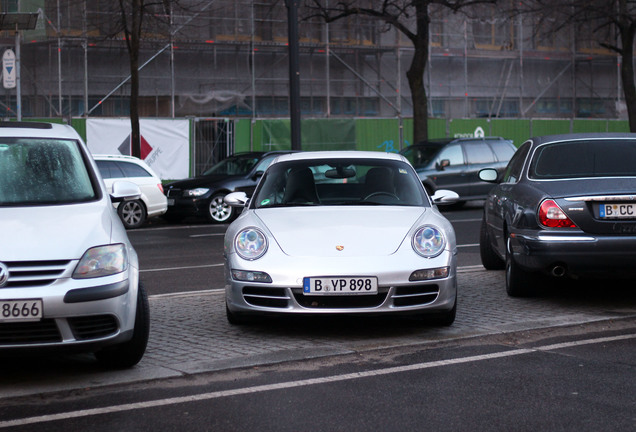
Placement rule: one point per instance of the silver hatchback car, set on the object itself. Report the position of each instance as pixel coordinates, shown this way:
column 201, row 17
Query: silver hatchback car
column 69, row 276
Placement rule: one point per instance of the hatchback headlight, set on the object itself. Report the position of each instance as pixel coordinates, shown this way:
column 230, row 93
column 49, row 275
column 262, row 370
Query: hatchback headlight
column 428, row 241
column 102, row 261
column 250, row 243
column 196, row 192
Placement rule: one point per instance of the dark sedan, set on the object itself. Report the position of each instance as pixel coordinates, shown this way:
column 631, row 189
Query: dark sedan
column 203, row 195
column 565, row 206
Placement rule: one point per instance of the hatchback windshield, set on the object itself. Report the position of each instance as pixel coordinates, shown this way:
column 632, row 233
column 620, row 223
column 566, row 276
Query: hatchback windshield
column 340, row 182
column 580, row 159
column 42, row 171
column 235, row 165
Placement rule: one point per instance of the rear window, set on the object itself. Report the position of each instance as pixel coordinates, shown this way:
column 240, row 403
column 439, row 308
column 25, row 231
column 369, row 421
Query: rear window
column 503, row 150
column 580, row 159
column 118, row 169
column 37, row 171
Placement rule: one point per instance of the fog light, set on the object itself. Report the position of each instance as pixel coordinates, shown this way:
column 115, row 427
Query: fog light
column 251, row 276
column 428, row 274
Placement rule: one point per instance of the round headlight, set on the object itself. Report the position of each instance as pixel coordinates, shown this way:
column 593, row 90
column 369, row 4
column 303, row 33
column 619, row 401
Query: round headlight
column 428, row 241
column 250, row 243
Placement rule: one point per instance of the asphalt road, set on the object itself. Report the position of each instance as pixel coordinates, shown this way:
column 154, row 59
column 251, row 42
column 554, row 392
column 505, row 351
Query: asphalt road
column 568, row 379
column 560, row 363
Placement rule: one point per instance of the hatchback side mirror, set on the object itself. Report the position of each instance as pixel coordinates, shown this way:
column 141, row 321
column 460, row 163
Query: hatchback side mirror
column 125, row 191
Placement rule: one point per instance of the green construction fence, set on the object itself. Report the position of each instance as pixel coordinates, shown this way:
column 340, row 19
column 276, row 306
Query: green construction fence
column 387, row 134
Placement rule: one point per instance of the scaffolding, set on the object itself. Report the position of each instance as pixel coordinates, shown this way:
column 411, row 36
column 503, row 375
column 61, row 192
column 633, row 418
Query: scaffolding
column 227, row 58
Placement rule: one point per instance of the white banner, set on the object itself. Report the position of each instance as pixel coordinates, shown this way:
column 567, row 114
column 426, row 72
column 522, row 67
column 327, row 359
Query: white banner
column 165, row 143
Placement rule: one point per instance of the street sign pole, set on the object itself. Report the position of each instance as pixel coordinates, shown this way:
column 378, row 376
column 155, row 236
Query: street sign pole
column 18, row 92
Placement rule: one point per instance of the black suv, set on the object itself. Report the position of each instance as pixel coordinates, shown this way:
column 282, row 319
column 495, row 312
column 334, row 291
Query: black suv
column 203, row 195
column 454, row 163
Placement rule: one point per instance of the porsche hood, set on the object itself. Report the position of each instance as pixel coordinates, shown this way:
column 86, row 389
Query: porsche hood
column 353, row 231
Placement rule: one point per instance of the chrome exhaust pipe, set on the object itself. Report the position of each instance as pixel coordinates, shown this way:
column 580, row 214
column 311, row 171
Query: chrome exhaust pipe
column 558, row 271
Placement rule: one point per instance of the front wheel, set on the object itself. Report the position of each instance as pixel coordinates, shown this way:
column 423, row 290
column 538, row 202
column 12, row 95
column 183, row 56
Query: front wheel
column 236, row 318
column 218, row 210
column 132, row 213
column 128, row 354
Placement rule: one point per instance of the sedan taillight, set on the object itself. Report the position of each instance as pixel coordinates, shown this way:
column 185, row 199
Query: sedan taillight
column 160, row 186
column 551, row 216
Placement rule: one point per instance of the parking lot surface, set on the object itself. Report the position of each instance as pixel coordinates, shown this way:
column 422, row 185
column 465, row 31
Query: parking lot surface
column 190, row 334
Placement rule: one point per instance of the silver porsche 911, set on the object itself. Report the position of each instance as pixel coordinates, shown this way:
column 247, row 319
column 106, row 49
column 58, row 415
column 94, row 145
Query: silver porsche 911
column 340, row 233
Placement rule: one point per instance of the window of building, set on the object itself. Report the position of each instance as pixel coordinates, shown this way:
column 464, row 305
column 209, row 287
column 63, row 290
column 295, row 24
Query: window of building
column 492, row 30
column 496, row 108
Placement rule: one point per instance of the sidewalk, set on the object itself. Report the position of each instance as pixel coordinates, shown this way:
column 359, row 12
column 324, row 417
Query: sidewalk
column 190, row 334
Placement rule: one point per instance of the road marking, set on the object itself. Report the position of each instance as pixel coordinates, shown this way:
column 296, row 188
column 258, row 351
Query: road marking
column 302, row 383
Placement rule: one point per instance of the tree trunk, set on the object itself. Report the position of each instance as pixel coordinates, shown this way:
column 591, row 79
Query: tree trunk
column 627, row 75
column 415, row 74
column 133, row 51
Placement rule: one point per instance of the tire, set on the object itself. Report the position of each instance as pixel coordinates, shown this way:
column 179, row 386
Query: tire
column 446, row 319
column 132, row 213
column 519, row 283
column 218, row 211
column 129, row 353
column 440, row 319
column 489, row 258
column 235, row 318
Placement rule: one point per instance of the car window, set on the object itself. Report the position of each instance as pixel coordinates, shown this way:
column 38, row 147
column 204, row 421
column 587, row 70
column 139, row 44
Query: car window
column 337, row 182
column 264, row 163
column 503, row 150
column 420, row 155
column 43, row 171
column 580, row 159
column 235, row 165
column 109, row 169
column 512, row 173
column 478, row 153
column 133, row 170
column 453, row 153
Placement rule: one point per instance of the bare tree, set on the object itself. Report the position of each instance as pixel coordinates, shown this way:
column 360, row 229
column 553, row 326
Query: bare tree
column 412, row 19
column 612, row 24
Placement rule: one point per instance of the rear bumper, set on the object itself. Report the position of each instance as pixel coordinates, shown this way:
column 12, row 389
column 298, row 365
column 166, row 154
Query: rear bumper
column 575, row 254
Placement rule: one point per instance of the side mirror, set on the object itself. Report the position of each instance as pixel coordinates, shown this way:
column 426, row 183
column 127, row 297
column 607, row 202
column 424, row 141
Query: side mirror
column 236, row 199
column 125, row 191
column 442, row 164
column 489, row 175
column 445, row 197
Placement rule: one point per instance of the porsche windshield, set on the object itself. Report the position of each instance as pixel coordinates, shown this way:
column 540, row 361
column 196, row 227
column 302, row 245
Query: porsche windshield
column 340, row 182
column 37, row 171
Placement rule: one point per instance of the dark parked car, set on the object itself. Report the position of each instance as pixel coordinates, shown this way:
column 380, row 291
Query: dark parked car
column 203, row 195
column 564, row 206
column 454, row 163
